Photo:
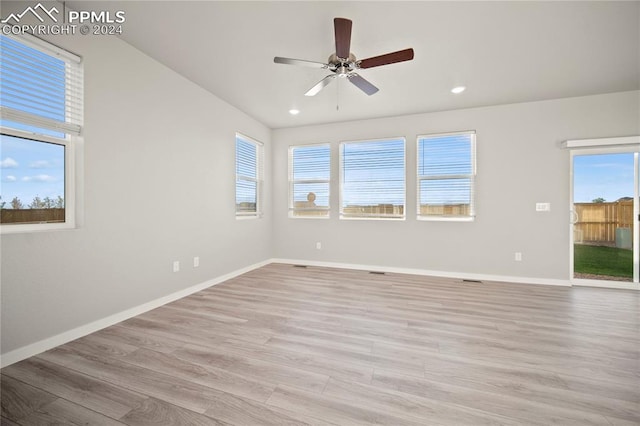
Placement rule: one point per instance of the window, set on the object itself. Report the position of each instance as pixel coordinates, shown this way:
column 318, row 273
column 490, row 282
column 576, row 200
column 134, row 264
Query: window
column 41, row 109
column 309, row 180
column 372, row 179
column 248, row 176
column 446, row 176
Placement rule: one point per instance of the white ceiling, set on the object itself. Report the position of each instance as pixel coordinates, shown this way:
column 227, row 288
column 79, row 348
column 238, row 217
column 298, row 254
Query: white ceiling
column 504, row 52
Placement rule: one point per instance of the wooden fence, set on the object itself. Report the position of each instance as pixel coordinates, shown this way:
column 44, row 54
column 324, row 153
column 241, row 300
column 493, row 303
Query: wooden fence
column 597, row 222
column 445, row 209
column 373, row 210
column 31, row 215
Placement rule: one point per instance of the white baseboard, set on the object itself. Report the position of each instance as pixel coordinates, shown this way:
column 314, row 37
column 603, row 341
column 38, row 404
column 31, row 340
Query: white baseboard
column 412, row 271
column 62, row 338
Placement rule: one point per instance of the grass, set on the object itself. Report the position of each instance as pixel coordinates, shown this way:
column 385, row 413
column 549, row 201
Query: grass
column 598, row 260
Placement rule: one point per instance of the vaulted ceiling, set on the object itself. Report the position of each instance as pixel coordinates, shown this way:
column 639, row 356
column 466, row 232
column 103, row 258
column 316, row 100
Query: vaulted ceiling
column 503, row 52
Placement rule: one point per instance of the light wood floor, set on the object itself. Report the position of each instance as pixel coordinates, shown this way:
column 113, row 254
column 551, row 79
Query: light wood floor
column 284, row 345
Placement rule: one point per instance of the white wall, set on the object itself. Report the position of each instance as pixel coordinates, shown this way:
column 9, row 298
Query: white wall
column 159, row 186
column 519, row 163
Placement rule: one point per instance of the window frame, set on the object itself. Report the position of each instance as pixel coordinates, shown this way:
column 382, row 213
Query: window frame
column 72, row 141
column 258, row 180
column 293, row 182
column 398, row 218
column 472, row 176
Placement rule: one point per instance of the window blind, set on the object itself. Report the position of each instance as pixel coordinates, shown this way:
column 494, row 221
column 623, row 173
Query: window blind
column 248, row 176
column 309, row 180
column 42, row 87
column 446, row 175
column 372, row 179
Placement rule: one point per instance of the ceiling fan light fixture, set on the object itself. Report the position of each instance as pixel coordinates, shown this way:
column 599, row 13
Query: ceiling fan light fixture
column 458, row 89
column 294, row 111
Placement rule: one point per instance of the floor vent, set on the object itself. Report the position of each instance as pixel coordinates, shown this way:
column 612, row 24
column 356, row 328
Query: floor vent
column 472, row 281
column 299, row 266
column 376, row 273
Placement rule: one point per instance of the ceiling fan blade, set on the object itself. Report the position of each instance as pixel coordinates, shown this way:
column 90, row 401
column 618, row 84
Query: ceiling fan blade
column 301, row 62
column 389, row 58
column 362, row 84
column 321, row 85
column 342, row 29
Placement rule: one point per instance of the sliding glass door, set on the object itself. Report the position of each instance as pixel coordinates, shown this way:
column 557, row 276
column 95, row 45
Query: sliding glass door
column 605, row 217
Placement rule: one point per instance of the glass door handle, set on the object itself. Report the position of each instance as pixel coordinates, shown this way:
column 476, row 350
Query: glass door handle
column 574, row 217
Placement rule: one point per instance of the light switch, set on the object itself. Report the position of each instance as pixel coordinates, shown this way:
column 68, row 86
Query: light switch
column 543, row 207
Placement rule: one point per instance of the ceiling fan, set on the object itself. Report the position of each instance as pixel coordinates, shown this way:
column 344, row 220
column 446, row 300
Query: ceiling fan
column 344, row 64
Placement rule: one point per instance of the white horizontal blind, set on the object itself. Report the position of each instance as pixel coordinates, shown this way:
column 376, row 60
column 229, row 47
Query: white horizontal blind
column 41, row 86
column 248, row 176
column 309, row 180
column 446, row 176
column 372, row 179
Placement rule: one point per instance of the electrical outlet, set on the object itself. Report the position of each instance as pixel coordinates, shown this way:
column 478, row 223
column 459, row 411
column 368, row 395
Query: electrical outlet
column 518, row 257
column 318, row 245
column 176, row 265
column 196, row 261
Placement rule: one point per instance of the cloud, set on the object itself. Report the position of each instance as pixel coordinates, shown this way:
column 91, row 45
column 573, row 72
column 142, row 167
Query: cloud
column 40, row 164
column 10, row 178
column 39, row 178
column 619, row 166
column 8, row 163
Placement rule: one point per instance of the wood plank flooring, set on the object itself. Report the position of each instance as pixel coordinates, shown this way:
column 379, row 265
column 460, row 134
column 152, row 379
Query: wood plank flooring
column 284, row 345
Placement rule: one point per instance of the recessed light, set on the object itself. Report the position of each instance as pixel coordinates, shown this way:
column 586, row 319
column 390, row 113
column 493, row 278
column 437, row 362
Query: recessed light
column 294, row 111
column 458, row 89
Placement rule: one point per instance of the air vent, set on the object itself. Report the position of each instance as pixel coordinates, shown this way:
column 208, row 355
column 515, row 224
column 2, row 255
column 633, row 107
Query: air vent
column 472, row 281
column 299, row 266
column 376, row 273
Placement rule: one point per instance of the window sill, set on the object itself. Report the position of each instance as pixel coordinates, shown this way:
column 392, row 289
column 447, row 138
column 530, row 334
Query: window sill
column 309, row 217
column 392, row 219
column 248, row 216
column 447, row 219
column 34, row 227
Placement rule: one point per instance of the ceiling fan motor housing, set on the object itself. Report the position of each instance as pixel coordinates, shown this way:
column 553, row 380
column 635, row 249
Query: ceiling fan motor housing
column 342, row 66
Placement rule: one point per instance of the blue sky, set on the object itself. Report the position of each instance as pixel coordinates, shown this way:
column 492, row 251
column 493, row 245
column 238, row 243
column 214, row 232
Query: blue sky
column 312, row 163
column 441, row 156
column 29, row 169
column 609, row 176
column 373, row 172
